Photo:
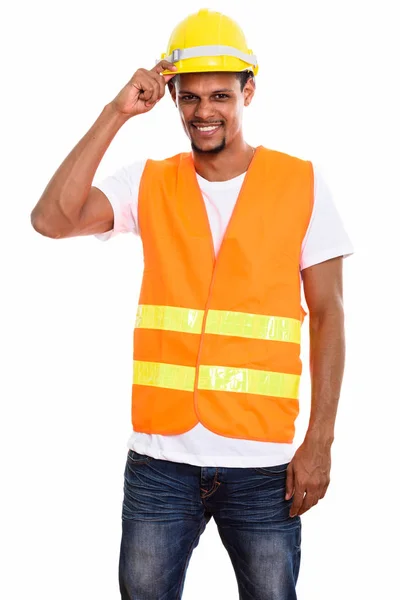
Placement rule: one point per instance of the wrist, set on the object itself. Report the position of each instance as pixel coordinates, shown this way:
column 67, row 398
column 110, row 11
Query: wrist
column 116, row 115
column 321, row 435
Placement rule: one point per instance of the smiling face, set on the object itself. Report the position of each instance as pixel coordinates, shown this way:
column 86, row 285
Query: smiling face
column 211, row 108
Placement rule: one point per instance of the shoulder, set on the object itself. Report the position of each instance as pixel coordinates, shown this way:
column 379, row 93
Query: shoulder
column 168, row 163
column 283, row 157
column 287, row 165
column 322, row 192
column 134, row 170
column 131, row 174
column 159, row 171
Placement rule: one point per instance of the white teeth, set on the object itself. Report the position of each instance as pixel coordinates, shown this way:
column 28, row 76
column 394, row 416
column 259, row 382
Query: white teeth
column 208, row 128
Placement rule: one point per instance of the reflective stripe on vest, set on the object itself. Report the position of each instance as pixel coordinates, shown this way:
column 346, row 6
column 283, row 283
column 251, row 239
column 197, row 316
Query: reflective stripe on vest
column 219, row 322
column 226, row 379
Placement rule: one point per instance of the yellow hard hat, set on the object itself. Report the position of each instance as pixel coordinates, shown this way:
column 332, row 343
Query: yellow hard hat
column 209, row 41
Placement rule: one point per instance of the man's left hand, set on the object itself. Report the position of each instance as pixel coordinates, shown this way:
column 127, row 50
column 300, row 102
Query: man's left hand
column 308, row 473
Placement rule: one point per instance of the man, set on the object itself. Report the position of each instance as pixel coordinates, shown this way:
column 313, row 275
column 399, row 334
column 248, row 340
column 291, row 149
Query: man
column 229, row 231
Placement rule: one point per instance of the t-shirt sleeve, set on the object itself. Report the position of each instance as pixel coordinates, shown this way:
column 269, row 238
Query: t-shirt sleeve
column 122, row 191
column 326, row 236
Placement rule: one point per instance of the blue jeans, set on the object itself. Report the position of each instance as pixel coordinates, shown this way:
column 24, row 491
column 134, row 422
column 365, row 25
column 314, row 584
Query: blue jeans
column 166, row 508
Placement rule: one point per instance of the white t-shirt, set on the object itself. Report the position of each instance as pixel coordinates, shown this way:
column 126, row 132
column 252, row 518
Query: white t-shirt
column 325, row 238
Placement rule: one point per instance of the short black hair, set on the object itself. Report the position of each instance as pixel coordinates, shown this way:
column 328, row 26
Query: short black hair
column 242, row 76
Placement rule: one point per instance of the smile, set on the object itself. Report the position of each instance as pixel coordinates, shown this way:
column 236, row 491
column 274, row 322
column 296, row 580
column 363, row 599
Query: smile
column 207, row 129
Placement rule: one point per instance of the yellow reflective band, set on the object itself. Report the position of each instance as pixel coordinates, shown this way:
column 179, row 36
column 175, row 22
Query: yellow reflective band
column 223, row 379
column 170, row 318
column 175, row 377
column 219, row 322
column 250, row 381
column 261, row 327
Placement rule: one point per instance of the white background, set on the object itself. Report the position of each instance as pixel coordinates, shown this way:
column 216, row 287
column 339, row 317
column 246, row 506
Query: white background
column 327, row 91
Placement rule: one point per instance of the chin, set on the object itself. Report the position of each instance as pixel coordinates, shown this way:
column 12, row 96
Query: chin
column 208, row 147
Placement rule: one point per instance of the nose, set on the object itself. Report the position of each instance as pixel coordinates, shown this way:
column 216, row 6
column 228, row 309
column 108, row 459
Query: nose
column 204, row 109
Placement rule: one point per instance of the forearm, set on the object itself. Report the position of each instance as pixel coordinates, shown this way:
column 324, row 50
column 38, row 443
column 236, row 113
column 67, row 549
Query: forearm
column 327, row 358
column 61, row 202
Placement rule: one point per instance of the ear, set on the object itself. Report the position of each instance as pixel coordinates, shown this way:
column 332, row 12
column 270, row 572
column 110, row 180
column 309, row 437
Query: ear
column 172, row 90
column 249, row 91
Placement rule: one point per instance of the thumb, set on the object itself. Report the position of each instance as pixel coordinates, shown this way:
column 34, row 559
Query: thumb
column 168, row 77
column 289, row 482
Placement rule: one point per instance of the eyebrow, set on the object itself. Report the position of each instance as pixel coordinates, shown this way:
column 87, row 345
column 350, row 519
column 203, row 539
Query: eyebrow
column 214, row 92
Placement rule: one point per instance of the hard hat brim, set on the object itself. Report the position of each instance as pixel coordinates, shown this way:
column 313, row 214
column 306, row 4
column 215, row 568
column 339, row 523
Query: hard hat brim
column 213, row 66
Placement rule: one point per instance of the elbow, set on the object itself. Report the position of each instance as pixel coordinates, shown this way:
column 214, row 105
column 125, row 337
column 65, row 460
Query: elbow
column 41, row 225
column 332, row 313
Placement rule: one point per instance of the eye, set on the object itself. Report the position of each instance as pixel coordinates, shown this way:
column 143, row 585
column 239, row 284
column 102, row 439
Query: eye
column 221, row 96
column 187, row 97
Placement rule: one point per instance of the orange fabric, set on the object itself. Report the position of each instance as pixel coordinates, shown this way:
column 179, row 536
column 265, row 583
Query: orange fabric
column 256, row 271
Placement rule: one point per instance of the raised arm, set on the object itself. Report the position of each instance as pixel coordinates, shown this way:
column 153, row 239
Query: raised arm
column 69, row 205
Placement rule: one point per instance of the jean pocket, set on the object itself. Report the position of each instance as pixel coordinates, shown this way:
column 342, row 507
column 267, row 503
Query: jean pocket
column 134, row 458
column 274, row 471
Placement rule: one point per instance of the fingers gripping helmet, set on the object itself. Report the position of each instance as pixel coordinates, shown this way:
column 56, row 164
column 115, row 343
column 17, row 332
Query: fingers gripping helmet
column 209, row 41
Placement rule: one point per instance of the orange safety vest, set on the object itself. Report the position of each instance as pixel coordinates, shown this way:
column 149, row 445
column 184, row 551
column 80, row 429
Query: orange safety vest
column 217, row 339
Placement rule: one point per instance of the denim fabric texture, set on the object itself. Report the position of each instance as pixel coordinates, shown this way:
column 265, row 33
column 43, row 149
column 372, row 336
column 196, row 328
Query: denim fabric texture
column 166, row 508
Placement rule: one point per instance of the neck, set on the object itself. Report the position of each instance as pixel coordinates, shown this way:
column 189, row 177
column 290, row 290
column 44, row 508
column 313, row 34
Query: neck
column 231, row 162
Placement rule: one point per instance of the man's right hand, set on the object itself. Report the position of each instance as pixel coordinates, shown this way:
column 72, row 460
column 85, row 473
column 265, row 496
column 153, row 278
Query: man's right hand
column 144, row 90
